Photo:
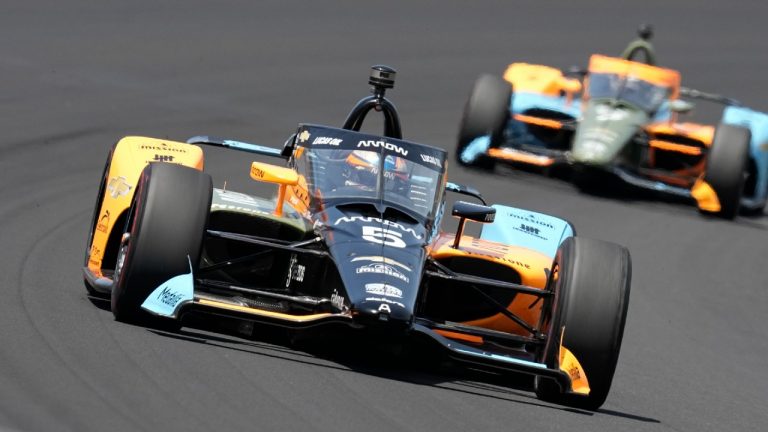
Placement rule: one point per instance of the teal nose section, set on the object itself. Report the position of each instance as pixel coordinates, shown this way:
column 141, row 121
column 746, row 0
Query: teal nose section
column 604, row 131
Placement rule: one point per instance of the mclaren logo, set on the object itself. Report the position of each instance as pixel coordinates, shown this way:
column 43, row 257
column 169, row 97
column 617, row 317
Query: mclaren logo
column 118, row 186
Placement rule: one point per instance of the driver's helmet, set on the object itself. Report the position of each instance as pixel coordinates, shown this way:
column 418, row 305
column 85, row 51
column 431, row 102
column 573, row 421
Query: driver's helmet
column 362, row 169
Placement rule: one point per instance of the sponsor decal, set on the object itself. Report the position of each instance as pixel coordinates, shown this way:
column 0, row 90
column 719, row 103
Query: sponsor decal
column 337, row 300
column 103, row 224
column 303, row 136
column 346, row 219
column 383, row 289
column 497, row 253
column 295, row 271
column 385, row 300
column 381, row 268
column 384, row 308
column 163, row 158
column 118, row 186
column 383, row 144
column 326, row 141
column 256, row 172
column 164, row 147
column 168, row 297
column 95, row 256
column 573, row 372
column 530, row 219
column 529, row 229
column 431, row 160
column 516, row 262
column 381, row 259
column 171, row 294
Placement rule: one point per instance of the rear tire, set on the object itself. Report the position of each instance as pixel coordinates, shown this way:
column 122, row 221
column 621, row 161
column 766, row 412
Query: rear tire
column 727, row 167
column 167, row 224
column 592, row 284
column 485, row 113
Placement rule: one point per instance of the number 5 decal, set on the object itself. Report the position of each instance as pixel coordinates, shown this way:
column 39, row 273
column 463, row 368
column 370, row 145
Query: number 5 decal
column 378, row 235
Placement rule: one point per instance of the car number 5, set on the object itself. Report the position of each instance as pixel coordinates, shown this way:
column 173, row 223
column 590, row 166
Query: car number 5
column 379, row 235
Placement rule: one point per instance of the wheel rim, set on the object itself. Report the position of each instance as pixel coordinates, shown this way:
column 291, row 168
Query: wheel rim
column 121, row 254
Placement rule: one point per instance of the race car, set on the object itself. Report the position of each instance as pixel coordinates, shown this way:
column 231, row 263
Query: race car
column 354, row 237
column 620, row 116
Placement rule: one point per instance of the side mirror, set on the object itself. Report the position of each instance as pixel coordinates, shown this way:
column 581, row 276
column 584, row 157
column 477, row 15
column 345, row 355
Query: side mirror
column 474, row 212
column 281, row 176
column 680, row 106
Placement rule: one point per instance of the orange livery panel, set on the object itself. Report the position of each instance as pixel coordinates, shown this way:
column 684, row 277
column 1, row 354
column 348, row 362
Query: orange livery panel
column 129, row 157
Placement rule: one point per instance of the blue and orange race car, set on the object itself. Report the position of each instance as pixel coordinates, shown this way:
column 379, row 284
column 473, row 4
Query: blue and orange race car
column 620, row 116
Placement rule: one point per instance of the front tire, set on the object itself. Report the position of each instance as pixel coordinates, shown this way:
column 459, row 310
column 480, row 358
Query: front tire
column 592, row 284
column 727, row 167
column 485, row 113
column 167, row 223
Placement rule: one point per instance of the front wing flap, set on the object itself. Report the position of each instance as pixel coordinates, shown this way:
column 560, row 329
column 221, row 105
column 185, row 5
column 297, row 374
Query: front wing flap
column 570, row 376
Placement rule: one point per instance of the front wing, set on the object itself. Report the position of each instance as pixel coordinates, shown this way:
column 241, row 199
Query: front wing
column 467, row 344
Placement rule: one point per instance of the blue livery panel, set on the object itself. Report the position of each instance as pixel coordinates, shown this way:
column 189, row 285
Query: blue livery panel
column 166, row 299
column 524, row 101
column 537, row 231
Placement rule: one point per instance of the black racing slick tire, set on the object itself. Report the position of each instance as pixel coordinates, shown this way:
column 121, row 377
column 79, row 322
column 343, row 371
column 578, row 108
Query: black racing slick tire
column 727, row 167
column 591, row 283
column 485, row 113
column 165, row 234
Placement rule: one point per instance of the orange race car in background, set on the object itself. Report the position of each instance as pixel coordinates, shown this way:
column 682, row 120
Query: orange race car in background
column 620, row 116
column 354, row 237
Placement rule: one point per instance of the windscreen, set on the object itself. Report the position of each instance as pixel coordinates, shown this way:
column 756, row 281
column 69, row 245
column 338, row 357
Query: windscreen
column 341, row 166
column 640, row 93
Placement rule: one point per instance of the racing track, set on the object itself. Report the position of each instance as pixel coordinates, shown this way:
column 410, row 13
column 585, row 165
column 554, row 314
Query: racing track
column 76, row 77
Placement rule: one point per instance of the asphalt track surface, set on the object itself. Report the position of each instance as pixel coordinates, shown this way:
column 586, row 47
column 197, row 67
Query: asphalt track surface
column 76, row 76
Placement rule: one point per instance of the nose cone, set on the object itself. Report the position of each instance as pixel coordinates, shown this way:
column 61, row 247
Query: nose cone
column 379, row 261
column 380, row 308
column 604, row 131
column 381, row 286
